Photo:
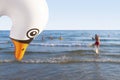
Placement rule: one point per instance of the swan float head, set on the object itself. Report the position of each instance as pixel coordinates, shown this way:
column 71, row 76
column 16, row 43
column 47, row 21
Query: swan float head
column 29, row 18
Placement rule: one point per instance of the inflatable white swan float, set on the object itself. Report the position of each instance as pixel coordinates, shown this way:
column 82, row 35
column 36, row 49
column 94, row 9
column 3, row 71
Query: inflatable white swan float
column 29, row 17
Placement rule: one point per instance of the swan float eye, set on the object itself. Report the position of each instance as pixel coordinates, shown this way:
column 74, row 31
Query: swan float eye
column 32, row 33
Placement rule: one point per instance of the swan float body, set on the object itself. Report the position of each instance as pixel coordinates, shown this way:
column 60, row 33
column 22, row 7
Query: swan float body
column 29, row 17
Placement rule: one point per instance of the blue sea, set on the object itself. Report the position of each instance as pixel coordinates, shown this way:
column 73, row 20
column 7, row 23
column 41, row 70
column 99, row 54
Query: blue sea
column 63, row 55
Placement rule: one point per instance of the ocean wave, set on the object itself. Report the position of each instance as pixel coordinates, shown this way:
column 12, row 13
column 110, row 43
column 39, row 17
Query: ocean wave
column 88, row 44
column 54, row 61
column 56, row 45
column 62, row 60
column 4, row 42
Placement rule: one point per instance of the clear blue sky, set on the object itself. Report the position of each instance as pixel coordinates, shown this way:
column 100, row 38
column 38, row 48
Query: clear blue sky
column 81, row 15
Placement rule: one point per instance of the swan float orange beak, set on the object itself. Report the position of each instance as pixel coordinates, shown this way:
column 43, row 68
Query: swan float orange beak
column 20, row 49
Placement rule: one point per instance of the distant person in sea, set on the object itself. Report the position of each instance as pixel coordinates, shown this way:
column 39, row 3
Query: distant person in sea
column 42, row 37
column 108, row 35
column 51, row 38
column 97, row 41
column 60, row 38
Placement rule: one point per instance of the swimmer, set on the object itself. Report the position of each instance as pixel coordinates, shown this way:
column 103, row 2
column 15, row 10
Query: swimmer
column 97, row 43
column 60, row 38
column 51, row 38
column 42, row 37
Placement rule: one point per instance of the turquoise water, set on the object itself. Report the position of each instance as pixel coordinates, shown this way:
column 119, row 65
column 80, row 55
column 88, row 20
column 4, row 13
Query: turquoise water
column 49, row 58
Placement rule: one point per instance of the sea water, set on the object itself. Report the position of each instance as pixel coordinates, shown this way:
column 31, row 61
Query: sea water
column 63, row 55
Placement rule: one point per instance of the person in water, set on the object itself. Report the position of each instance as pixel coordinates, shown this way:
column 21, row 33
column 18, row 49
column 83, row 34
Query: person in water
column 97, row 41
column 60, row 38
